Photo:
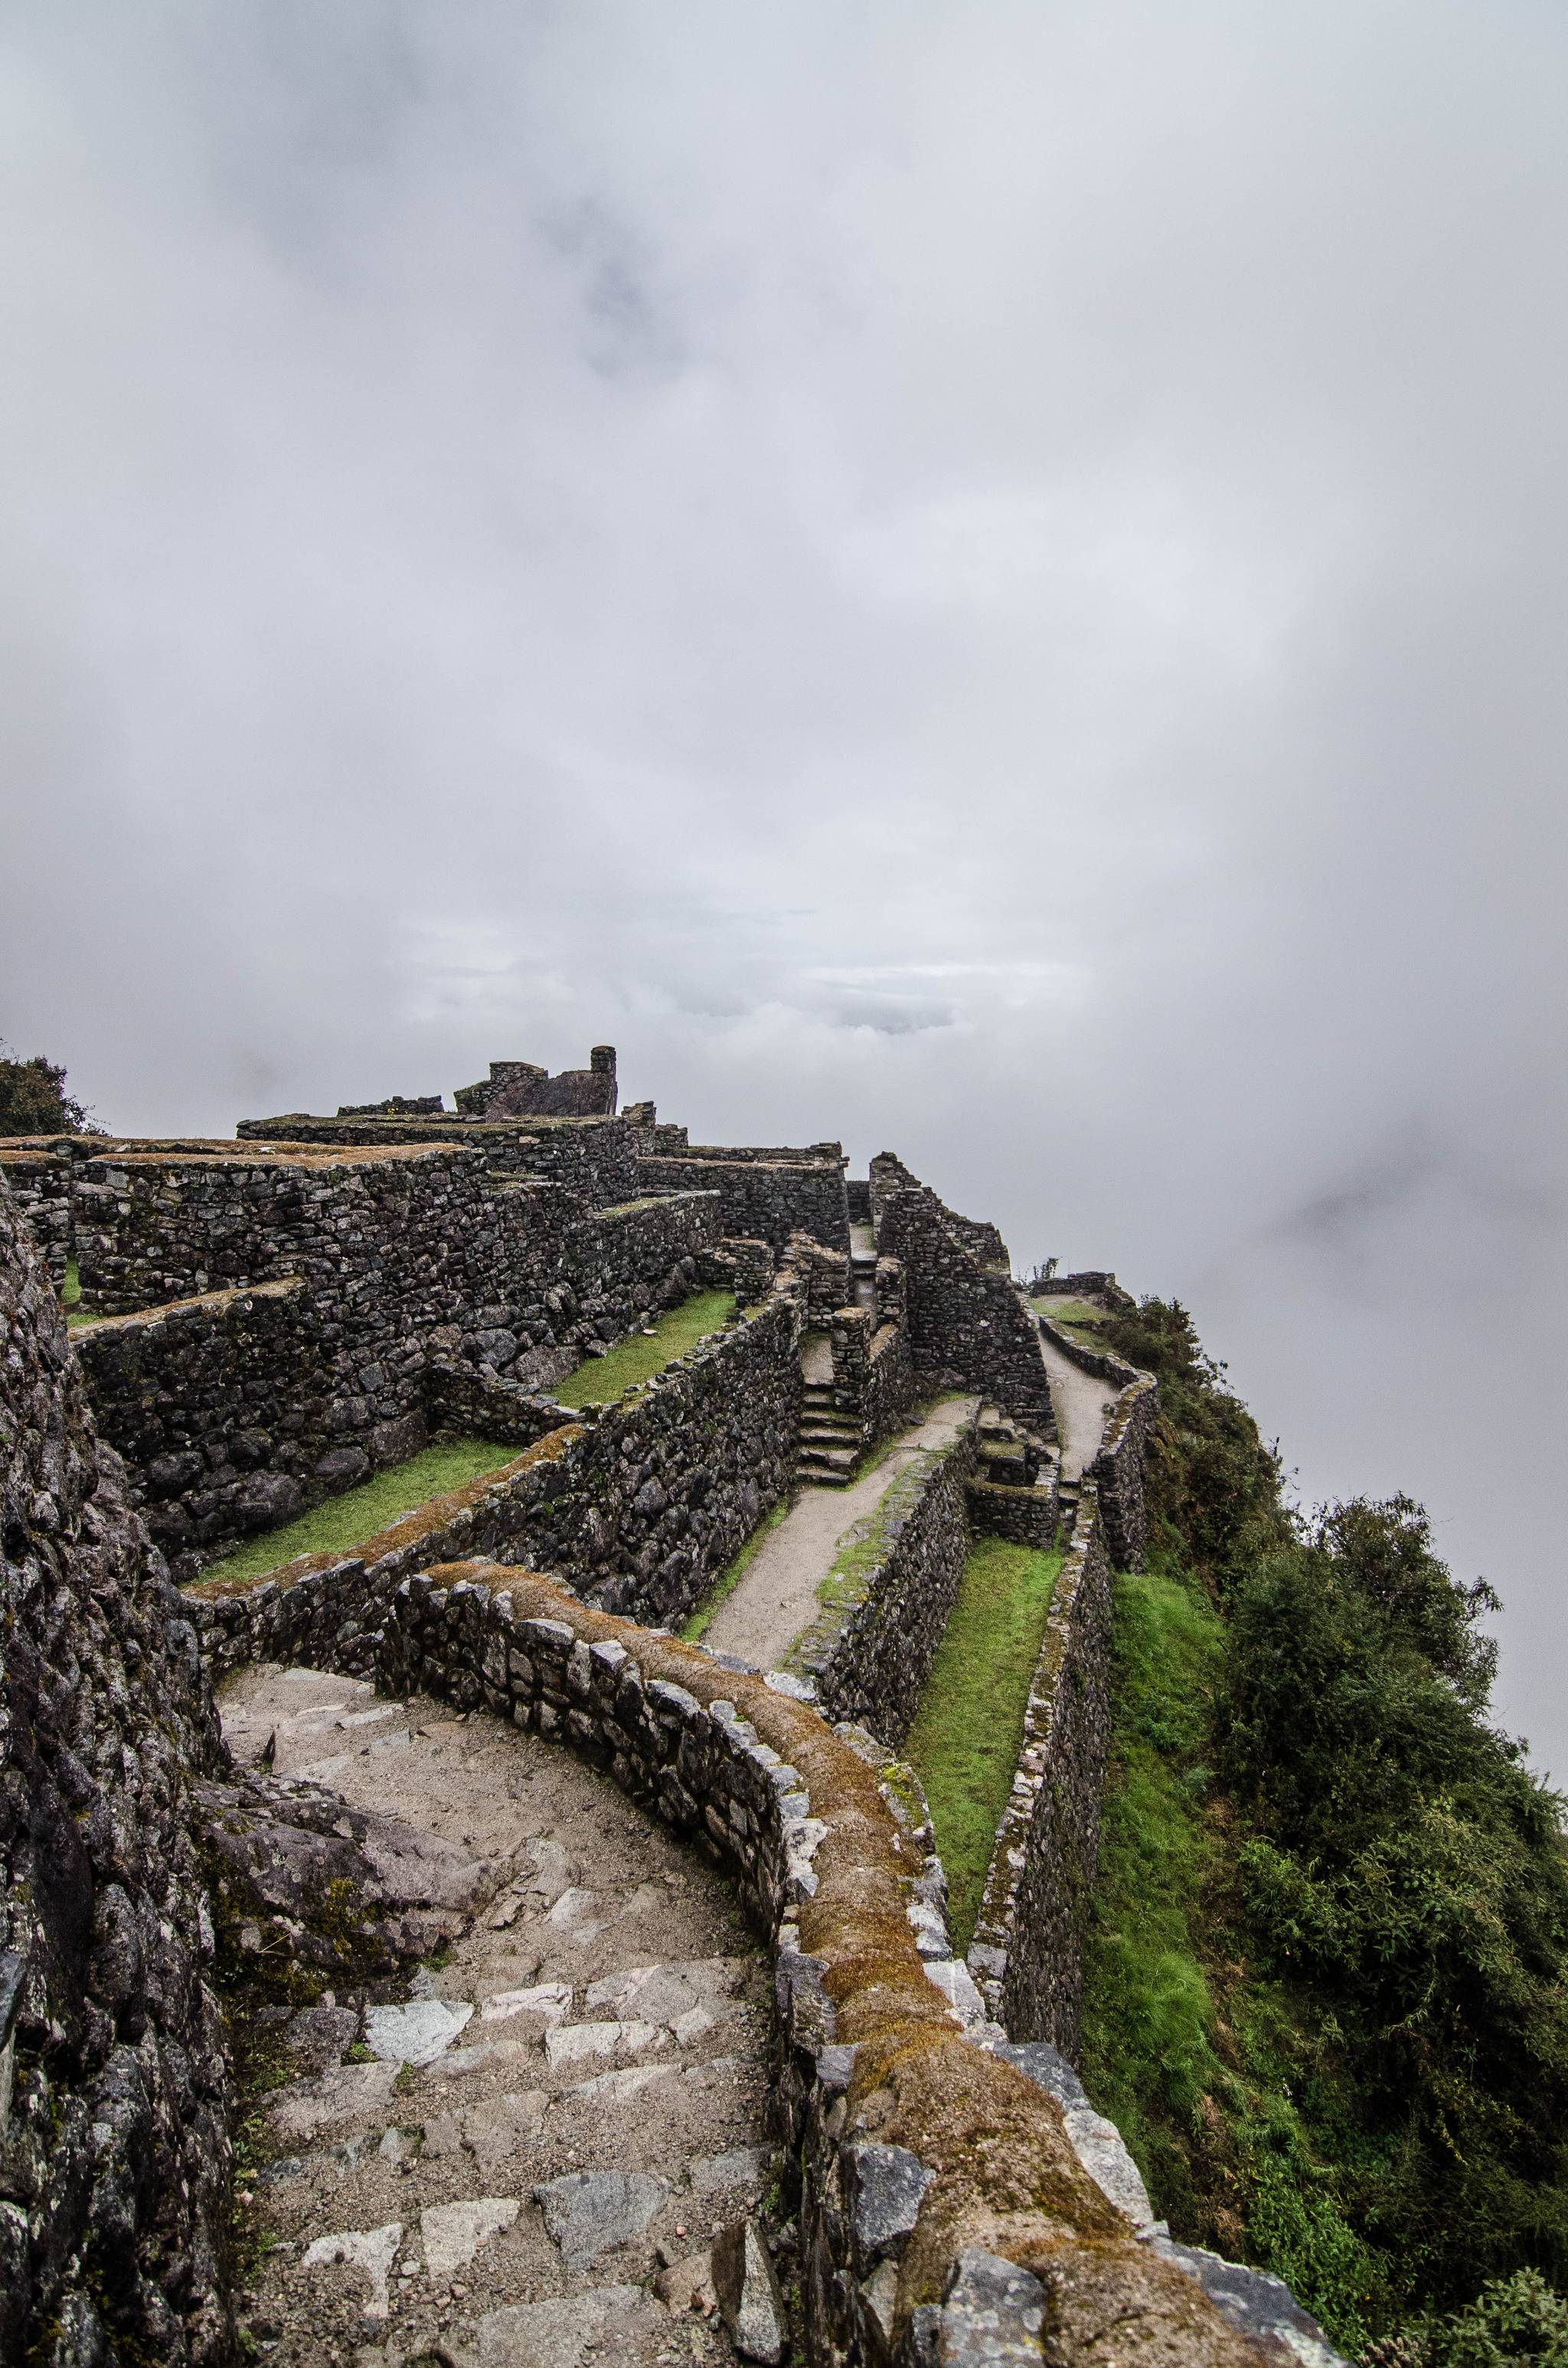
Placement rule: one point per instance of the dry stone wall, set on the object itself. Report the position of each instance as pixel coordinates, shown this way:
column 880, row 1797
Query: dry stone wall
column 1028, row 1951
column 221, row 1407
column 889, row 1174
column 761, row 1196
column 593, row 1158
column 39, row 1182
column 636, row 1506
column 1026, row 1517
column 238, row 1409
column 970, row 1327
column 873, row 1375
column 114, row 2146
column 870, row 1653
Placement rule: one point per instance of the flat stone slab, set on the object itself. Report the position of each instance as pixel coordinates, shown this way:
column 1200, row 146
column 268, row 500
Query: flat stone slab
column 557, row 2334
column 576, row 2042
column 589, row 2212
column 372, row 2250
column 312, row 2105
column 451, row 2234
column 417, row 2033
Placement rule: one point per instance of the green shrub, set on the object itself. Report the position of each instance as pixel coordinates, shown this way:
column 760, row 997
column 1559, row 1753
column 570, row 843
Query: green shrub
column 33, row 1100
column 1324, row 1991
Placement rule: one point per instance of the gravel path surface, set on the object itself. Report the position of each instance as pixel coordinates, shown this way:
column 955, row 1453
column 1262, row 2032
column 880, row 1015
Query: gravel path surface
column 520, row 2159
column 776, row 1598
column 1080, row 1403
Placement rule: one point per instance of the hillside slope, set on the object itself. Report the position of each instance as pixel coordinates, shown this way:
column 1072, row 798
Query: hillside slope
column 1324, row 1997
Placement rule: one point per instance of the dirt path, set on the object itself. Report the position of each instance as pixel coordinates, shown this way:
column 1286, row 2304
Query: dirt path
column 488, row 2165
column 776, row 1598
column 1080, row 1403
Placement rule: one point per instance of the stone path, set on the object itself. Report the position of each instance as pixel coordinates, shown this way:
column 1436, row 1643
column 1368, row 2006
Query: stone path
column 1080, row 1403
column 521, row 2158
column 776, row 1598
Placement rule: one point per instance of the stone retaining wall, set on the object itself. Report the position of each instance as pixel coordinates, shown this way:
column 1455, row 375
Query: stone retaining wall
column 969, row 1328
column 115, row 2153
column 636, row 1506
column 768, row 1199
column 1028, row 1951
column 593, row 1158
column 237, row 1409
column 41, row 1186
column 1118, row 1472
column 222, row 1409
column 869, row 1652
column 1026, row 1517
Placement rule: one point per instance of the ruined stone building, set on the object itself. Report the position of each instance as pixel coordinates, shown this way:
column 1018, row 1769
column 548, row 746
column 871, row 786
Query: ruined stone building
column 274, row 1320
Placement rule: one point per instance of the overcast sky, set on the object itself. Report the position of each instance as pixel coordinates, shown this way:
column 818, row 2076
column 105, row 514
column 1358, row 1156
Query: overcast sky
column 987, row 579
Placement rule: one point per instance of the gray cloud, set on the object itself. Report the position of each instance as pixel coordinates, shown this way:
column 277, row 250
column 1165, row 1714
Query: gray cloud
column 987, row 579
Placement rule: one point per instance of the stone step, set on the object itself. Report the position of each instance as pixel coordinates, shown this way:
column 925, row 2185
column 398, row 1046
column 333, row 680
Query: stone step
column 827, row 1459
column 825, row 1432
column 807, row 1475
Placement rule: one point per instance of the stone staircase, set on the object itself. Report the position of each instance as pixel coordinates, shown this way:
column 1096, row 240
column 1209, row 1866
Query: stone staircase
column 827, row 1443
column 1008, row 1455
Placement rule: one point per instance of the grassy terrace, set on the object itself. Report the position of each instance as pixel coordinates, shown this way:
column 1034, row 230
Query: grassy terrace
column 599, row 1379
column 965, row 1740
column 1084, row 1321
column 71, row 1299
column 345, row 1521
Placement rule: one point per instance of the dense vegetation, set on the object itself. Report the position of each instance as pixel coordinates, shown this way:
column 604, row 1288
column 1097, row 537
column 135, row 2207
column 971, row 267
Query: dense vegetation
column 33, row 1100
column 1325, row 1991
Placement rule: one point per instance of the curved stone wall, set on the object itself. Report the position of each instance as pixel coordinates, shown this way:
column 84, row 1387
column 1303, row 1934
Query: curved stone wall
column 945, row 2214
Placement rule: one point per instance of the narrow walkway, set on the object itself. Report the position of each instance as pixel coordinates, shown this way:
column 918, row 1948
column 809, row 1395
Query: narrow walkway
column 863, row 1263
column 519, row 2161
column 1080, row 1403
column 776, row 1598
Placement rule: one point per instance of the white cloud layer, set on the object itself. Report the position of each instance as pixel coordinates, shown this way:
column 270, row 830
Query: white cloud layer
column 988, row 579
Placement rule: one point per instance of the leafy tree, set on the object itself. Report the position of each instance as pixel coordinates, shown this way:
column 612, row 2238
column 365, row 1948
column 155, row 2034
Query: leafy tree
column 33, row 1100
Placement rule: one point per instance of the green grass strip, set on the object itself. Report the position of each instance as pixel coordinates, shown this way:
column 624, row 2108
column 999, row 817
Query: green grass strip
column 1148, row 2046
column 71, row 1298
column 359, row 1513
column 599, row 1379
column 968, row 1732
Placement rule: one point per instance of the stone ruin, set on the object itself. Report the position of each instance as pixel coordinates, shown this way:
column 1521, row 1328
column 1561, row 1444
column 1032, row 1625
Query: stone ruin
column 280, row 1315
